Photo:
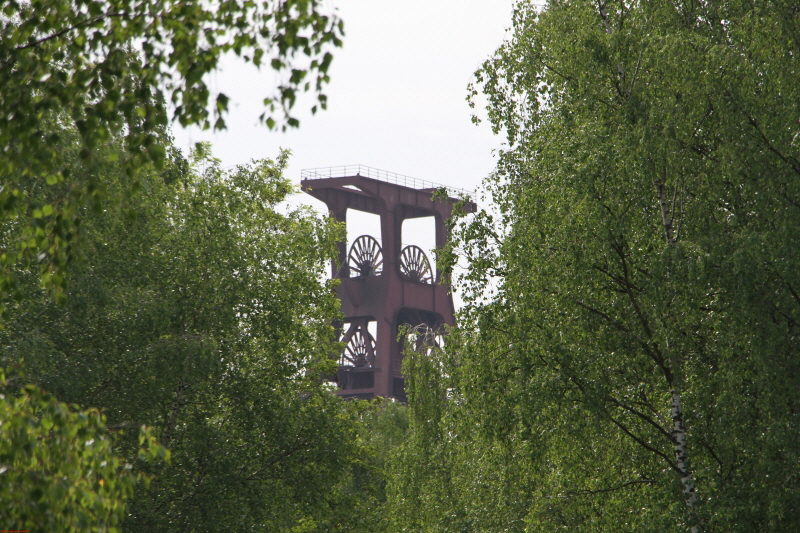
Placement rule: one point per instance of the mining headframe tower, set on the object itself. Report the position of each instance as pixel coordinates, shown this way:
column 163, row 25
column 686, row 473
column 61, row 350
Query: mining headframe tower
column 385, row 283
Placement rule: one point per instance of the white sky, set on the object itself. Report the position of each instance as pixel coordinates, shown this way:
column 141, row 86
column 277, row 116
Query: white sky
column 396, row 100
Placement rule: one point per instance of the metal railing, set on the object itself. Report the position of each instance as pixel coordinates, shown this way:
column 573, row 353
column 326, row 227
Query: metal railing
column 381, row 175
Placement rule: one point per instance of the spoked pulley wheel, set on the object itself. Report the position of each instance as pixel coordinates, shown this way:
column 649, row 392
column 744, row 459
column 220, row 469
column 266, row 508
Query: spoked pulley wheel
column 414, row 264
column 359, row 351
column 366, row 257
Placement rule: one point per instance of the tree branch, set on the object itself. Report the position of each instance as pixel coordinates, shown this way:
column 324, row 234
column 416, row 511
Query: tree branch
column 177, row 404
column 121, row 426
column 753, row 122
column 666, row 217
column 644, row 417
column 279, row 457
column 612, row 489
column 647, row 446
column 56, row 35
column 591, row 309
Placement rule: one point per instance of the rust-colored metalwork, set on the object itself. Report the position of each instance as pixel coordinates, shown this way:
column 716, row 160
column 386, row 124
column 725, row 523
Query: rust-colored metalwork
column 366, row 258
column 386, row 285
column 359, row 346
column 414, row 264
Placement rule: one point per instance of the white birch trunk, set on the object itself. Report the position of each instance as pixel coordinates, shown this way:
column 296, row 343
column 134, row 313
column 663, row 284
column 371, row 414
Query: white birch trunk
column 678, row 428
column 679, row 433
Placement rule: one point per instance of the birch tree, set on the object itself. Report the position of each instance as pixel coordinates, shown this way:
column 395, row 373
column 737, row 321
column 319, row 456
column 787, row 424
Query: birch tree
column 632, row 303
column 199, row 310
column 95, row 70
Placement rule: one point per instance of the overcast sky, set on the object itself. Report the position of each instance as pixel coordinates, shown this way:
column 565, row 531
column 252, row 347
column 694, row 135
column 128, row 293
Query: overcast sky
column 396, row 100
column 396, row 96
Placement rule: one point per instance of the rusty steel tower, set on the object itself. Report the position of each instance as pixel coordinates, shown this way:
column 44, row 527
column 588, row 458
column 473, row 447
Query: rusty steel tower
column 384, row 283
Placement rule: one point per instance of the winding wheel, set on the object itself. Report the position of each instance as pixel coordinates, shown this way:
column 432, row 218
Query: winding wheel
column 359, row 352
column 366, row 258
column 414, row 264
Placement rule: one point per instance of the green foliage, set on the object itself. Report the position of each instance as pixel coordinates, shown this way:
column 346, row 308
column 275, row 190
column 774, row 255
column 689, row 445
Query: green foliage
column 643, row 251
column 360, row 501
column 57, row 467
column 94, row 71
column 450, row 474
column 199, row 309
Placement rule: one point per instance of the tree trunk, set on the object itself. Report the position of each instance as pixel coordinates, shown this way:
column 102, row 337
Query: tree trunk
column 679, row 437
column 678, row 427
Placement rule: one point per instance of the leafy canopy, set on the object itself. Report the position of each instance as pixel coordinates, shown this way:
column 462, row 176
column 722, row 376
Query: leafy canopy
column 630, row 338
column 207, row 318
column 96, row 71
column 58, row 469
